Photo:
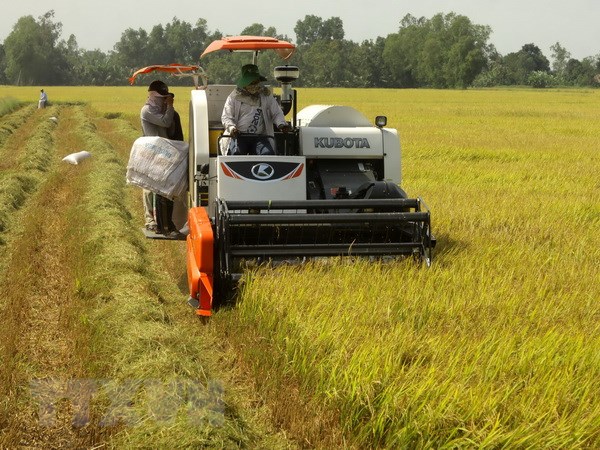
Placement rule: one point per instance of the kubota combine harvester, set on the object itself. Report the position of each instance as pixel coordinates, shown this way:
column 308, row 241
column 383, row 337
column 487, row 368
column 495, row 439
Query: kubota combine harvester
column 332, row 189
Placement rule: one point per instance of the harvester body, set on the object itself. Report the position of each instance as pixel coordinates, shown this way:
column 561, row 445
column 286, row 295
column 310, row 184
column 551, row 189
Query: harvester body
column 331, row 189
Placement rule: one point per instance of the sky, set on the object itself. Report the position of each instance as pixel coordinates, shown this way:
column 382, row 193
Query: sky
column 514, row 23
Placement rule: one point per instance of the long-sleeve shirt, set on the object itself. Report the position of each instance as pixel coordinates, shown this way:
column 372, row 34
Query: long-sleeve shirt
column 154, row 121
column 252, row 115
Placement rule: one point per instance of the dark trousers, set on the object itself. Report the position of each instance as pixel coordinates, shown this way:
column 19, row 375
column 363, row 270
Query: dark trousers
column 163, row 210
column 251, row 145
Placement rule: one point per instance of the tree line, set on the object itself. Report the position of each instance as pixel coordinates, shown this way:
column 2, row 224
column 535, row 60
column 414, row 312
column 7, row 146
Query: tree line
column 444, row 51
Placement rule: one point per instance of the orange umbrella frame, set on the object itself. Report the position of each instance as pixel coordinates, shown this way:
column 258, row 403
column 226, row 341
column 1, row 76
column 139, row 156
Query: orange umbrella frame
column 232, row 43
column 195, row 72
column 251, row 44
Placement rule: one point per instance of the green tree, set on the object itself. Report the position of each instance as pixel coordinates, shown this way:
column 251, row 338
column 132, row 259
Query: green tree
column 71, row 58
column 574, row 72
column 560, row 57
column 132, row 49
column 184, row 41
column 200, row 38
column 33, row 51
column 323, row 64
column 175, row 42
column 96, row 68
column 157, row 49
column 541, row 79
column 364, row 65
column 3, row 79
column 444, row 51
column 313, row 29
column 466, row 57
column 401, row 52
column 495, row 73
column 520, row 65
column 584, row 72
column 257, row 29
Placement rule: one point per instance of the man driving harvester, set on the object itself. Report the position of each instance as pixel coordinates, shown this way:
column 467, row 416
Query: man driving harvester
column 249, row 114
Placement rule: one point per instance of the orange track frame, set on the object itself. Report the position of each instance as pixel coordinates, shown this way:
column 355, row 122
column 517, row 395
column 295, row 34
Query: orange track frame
column 200, row 252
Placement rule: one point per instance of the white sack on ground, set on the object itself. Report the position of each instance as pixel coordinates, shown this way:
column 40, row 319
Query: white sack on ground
column 159, row 165
column 76, row 158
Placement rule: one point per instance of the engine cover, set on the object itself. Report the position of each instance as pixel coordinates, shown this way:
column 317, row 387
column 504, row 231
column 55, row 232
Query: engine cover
column 342, row 142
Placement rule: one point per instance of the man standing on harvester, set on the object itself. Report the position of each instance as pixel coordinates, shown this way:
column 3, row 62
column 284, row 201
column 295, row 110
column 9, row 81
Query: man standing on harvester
column 249, row 114
column 157, row 117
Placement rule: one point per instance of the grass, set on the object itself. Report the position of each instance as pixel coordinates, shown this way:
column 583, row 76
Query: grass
column 84, row 301
column 414, row 358
column 139, row 332
column 28, row 163
column 494, row 346
column 8, row 105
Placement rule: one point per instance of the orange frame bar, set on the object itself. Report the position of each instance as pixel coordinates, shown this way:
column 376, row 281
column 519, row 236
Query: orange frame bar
column 200, row 262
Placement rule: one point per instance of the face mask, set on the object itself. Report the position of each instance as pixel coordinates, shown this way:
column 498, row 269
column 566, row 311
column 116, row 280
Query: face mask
column 253, row 88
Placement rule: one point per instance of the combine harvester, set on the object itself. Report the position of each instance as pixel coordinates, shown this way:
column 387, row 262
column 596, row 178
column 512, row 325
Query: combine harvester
column 332, row 189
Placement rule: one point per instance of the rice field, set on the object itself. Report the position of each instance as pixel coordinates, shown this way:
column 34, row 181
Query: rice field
column 497, row 345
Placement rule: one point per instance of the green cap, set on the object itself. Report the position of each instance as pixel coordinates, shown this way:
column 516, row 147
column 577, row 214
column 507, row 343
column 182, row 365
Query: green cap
column 249, row 74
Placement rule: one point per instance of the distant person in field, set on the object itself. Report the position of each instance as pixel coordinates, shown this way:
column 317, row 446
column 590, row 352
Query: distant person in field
column 157, row 120
column 43, row 99
column 249, row 114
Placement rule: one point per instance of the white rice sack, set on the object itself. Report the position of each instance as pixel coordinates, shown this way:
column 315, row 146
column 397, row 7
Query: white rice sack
column 159, row 165
column 167, row 188
column 76, row 158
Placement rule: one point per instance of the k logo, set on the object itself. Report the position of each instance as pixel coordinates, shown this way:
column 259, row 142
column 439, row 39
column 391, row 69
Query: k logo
column 263, row 171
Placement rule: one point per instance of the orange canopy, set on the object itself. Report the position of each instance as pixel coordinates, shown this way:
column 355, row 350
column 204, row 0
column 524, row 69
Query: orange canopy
column 172, row 68
column 251, row 43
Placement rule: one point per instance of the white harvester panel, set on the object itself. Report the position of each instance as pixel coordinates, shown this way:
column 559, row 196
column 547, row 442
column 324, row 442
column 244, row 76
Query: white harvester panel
column 342, row 132
column 331, row 116
column 341, row 142
column 259, row 178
